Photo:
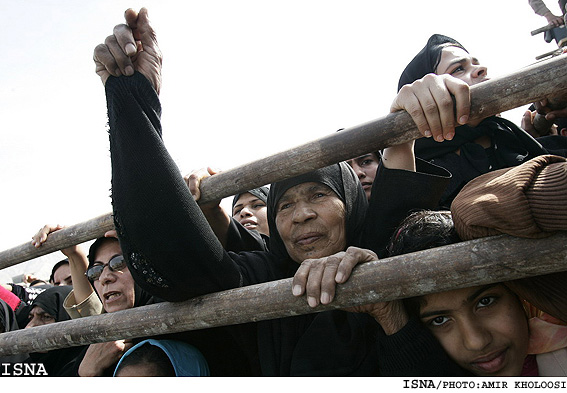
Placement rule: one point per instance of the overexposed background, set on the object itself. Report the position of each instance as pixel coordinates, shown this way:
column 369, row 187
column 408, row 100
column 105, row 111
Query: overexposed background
column 241, row 80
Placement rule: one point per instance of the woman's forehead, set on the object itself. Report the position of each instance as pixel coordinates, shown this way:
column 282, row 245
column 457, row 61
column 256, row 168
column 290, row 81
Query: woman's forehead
column 37, row 310
column 454, row 299
column 304, row 188
column 450, row 55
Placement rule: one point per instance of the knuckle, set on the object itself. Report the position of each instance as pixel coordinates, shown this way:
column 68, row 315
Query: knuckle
column 445, row 102
column 415, row 112
column 119, row 29
column 430, row 108
column 99, row 50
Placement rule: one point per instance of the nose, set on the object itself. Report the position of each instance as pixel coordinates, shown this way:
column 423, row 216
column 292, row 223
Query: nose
column 106, row 276
column 475, row 336
column 245, row 212
column 303, row 212
column 31, row 324
column 358, row 170
column 479, row 72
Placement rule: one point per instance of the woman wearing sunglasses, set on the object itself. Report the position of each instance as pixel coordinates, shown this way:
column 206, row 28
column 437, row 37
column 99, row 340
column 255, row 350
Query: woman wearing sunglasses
column 115, row 289
column 101, row 283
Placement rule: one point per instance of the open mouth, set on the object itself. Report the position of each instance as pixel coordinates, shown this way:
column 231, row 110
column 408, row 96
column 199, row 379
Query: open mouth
column 111, row 296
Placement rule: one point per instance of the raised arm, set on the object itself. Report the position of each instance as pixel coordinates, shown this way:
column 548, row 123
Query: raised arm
column 78, row 262
column 170, row 248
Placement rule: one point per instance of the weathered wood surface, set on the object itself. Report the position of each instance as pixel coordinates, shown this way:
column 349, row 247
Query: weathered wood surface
column 533, row 83
column 461, row 265
column 75, row 234
column 543, row 29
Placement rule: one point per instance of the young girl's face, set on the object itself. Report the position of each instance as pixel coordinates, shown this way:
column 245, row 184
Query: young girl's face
column 483, row 329
column 460, row 64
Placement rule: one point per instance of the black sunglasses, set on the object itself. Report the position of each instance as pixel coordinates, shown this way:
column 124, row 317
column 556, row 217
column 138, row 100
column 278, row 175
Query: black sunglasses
column 116, row 264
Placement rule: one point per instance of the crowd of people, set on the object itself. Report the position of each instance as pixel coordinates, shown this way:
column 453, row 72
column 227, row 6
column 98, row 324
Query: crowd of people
column 461, row 180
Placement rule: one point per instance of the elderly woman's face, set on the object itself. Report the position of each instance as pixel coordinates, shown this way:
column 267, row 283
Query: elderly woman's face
column 310, row 219
column 115, row 288
column 39, row 317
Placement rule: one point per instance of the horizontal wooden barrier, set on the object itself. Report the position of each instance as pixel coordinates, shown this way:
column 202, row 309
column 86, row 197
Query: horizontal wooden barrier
column 533, row 83
column 461, row 265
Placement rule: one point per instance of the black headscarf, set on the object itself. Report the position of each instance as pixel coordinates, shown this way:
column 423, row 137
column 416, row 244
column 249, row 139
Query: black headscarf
column 511, row 145
column 427, row 60
column 260, row 193
column 343, row 181
column 57, row 361
column 141, row 297
column 51, row 301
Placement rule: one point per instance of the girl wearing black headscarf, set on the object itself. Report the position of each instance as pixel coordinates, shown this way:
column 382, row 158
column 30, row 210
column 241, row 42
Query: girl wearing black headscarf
column 463, row 156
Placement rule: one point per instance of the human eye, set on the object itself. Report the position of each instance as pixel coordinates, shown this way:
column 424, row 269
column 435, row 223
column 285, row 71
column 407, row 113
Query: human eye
column 486, row 301
column 456, row 70
column 236, row 212
column 319, row 193
column 47, row 318
column 284, row 206
column 438, row 321
column 259, row 206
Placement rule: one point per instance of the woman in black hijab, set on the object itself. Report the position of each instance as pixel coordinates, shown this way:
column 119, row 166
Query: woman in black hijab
column 115, row 288
column 48, row 308
column 173, row 253
column 506, row 144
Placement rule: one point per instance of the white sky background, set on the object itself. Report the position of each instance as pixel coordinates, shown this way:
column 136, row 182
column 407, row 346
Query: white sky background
column 241, row 80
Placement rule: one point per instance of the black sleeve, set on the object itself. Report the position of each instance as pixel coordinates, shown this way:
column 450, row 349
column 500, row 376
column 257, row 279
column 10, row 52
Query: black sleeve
column 20, row 292
column 170, row 248
column 414, row 352
column 241, row 239
column 395, row 194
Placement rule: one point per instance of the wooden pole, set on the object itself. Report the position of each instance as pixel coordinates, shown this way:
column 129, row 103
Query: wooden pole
column 542, row 29
column 461, row 265
column 75, row 234
column 533, row 83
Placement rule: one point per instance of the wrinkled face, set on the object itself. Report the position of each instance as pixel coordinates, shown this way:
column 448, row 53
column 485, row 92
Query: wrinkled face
column 62, row 276
column 115, row 289
column 483, row 329
column 252, row 213
column 38, row 317
column 310, row 219
column 365, row 168
column 460, row 64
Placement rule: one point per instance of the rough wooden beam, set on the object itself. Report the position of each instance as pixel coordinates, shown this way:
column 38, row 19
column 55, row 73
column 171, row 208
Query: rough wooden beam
column 466, row 264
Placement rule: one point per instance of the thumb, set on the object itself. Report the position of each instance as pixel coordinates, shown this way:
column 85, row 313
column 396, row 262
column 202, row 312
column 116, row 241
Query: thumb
column 140, row 25
column 131, row 17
